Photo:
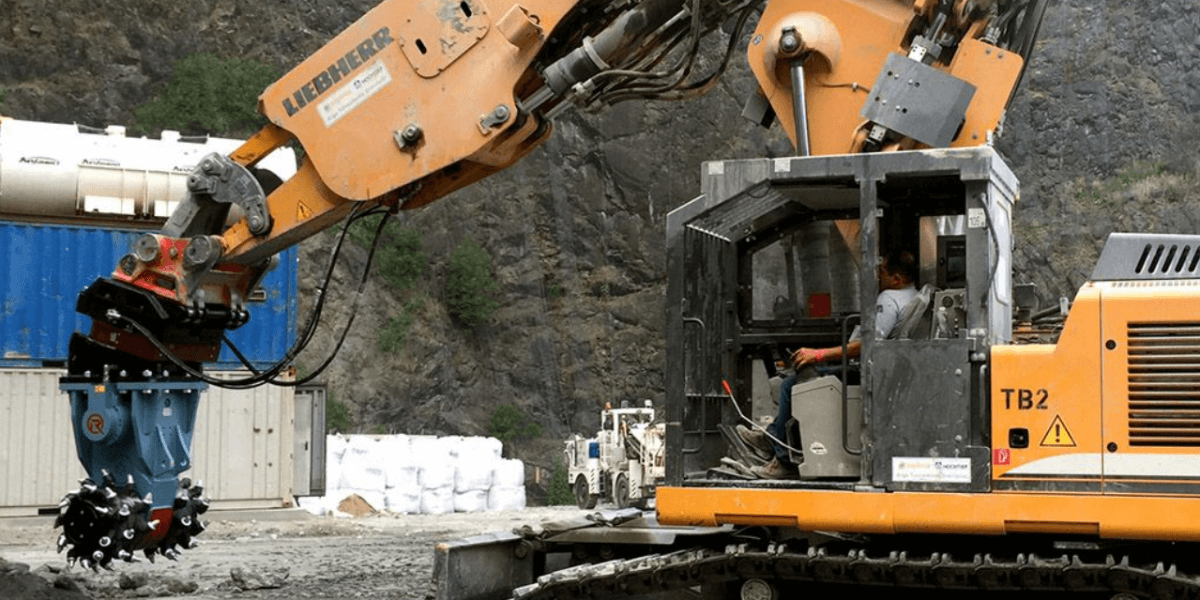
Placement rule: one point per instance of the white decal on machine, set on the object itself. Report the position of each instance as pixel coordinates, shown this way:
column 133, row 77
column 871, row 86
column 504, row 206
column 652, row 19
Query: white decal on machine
column 354, row 93
column 931, row 470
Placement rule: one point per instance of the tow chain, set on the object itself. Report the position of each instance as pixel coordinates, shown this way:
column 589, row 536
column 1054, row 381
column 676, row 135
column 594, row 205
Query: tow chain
column 1022, row 572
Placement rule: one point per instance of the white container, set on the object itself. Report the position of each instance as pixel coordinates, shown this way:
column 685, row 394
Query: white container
column 242, row 447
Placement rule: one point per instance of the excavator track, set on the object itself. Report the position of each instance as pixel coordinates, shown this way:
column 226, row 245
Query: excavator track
column 1089, row 571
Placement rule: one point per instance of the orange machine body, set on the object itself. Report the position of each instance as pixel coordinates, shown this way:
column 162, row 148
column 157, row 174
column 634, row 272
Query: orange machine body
column 840, row 70
column 1097, row 435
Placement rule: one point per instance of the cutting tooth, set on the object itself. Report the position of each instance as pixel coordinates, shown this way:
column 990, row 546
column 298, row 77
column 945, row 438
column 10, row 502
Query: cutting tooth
column 186, row 521
column 65, row 503
column 124, row 512
column 128, row 534
column 150, row 555
column 98, row 555
column 104, row 510
column 201, row 524
column 125, row 555
column 193, row 544
column 153, row 524
column 87, row 564
column 89, row 487
column 105, row 542
column 62, row 543
column 109, row 493
column 149, row 498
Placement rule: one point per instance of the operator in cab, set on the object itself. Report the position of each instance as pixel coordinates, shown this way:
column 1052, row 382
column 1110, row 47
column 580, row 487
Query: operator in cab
column 898, row 273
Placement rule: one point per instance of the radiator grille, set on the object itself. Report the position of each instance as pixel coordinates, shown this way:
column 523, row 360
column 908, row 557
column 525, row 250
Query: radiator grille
column 1164, row 384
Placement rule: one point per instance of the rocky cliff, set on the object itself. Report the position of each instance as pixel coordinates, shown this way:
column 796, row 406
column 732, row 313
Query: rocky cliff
column 1101, row 134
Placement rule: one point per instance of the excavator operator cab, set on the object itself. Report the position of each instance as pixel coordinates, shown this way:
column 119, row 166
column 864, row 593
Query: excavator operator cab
column 780, row 254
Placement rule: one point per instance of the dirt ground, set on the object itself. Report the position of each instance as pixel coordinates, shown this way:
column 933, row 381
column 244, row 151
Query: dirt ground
column 375, row 556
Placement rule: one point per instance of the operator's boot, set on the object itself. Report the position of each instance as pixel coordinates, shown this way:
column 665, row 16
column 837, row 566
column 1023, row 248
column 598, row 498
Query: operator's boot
column 756, row 441
column 777, row 469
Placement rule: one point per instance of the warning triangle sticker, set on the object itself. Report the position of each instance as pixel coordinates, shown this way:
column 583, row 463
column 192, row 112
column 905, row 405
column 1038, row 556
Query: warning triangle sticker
column 1058, row 435
column 303, row 213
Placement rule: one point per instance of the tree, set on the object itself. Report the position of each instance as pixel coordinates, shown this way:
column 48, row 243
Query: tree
column 509, row 423
column 208, row 94
column 403, row 261
column 559, row 492
column 470, row 283
column 337, row 414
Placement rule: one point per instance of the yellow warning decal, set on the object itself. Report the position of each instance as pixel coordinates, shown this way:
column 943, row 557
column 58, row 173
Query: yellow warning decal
column 1058, row 435
column 303, row 213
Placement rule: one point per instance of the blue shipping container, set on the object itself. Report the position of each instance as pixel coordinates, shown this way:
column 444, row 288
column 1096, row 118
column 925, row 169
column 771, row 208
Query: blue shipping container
column 48, row 265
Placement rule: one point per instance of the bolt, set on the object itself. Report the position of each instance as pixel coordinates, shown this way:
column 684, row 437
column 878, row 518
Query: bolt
column 501, row 113
column 255, row 222
column 789, row 42
column 411, row 134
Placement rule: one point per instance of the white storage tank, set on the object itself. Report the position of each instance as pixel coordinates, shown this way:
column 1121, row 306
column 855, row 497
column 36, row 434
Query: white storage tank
column 77, row 172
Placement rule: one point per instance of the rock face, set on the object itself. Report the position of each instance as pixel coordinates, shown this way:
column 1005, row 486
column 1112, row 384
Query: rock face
column 1101, row 134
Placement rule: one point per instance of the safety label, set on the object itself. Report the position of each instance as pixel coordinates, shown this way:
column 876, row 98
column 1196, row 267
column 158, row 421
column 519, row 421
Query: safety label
column 1058, row 436
column 354, row 92
column 931, row 470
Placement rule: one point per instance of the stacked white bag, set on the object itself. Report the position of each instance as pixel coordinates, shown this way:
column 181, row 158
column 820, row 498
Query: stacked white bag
column 403, row 493
column 508, row 486
column 420, row 474
column 363, row 470
column 435, row 474
column 475, row 458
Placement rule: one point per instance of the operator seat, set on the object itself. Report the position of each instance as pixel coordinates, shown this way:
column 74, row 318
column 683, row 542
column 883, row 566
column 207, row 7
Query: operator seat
column 826, row 437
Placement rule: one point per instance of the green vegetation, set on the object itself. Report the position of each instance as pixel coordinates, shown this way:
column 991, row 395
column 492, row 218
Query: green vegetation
column 393, row 335
column 559, row 493
column 402, row 262
column 1118, row 187
column 400, row 258
column 509, row 423
column 208, row 94
column 337, row 414
column 469, row 284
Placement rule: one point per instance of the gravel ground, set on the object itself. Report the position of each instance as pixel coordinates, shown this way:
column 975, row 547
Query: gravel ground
column 376, row 556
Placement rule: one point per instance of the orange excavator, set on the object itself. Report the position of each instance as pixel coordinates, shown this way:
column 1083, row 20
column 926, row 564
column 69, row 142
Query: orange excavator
column 992, row 445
